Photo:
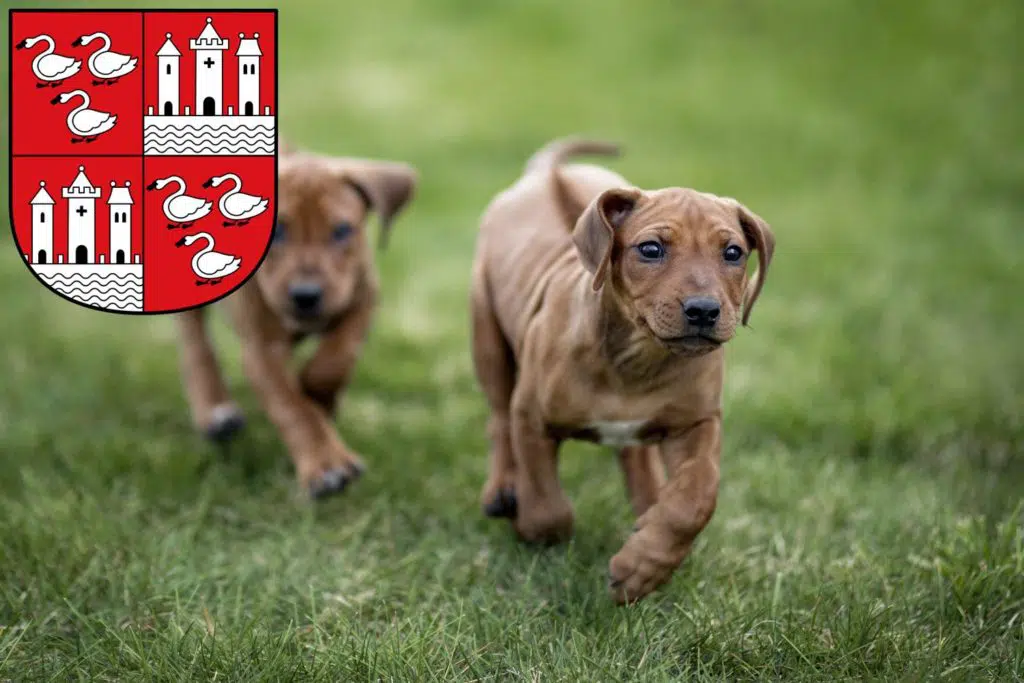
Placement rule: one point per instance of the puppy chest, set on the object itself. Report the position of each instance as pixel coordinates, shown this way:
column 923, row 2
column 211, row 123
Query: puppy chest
column 619, row 433
column 615, row 433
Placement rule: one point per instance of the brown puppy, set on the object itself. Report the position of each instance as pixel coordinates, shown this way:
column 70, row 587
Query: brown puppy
column 317, row 279
column 599, row 313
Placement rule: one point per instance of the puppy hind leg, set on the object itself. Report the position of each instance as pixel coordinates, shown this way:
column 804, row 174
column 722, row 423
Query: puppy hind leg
column 544, row 513
column 495, row 370
column 214, row 414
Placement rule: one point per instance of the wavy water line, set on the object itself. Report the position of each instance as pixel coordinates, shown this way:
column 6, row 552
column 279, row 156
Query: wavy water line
column 92, row 291
column 95, row 277
column 263, row 137
column 196, row 130
column 204, row 143
column 110, row 306
column 208, row 149
column 190, row 126
column 64, row 277
column 105, row 300
column 208, row 134
column 127, row 291
column 211, row 137
column 207, row 141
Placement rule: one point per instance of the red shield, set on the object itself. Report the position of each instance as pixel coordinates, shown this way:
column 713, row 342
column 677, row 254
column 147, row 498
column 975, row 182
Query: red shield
column 143, row 152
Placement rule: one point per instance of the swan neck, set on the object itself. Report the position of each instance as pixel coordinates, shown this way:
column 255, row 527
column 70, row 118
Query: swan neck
column 85, row 101
column 181, row 187
column 209, row 244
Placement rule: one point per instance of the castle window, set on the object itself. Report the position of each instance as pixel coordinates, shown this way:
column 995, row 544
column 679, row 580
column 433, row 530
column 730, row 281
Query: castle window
column 42, row 216
column 117, row 217
column 124, row 217
column 168, row 69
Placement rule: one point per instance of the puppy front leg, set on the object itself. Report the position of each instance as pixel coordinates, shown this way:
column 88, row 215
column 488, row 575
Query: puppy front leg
column 665, row 533
column 213, row 412
column 329, row 370
column 543, row 512
column 308, row 435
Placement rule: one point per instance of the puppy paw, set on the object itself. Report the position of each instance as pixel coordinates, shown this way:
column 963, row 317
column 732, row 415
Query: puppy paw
column 544, row 524
column 645, row 562
column 500, row 502
column 327, row 484
column 333, row 479
column 226, row 420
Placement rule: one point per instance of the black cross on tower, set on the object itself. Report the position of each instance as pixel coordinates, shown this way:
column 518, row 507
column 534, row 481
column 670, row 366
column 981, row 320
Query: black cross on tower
column 80, row 211
column 208, row 62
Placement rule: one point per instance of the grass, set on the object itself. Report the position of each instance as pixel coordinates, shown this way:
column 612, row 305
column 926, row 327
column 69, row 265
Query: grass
column 870, row 524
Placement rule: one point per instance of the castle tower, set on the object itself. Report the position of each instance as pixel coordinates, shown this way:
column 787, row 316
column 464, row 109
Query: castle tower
column 169, row 79
column 209, row 49
column 120, row 203
column 42, row 226
column 248, row 55
column 81, row 196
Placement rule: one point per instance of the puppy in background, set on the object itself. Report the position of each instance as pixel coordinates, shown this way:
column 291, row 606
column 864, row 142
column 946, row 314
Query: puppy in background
column 318, row 279
column 600, row 312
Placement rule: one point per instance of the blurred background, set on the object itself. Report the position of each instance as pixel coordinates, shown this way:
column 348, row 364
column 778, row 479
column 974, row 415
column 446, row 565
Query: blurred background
column 872, row 407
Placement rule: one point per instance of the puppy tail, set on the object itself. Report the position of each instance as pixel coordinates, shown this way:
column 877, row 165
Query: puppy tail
column 556, row 152
column 552, row 155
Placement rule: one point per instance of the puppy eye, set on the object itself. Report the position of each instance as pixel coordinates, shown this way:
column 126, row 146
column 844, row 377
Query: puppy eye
column 652, row 251
column 278, row 234
column 342, row 231
column 732, row 253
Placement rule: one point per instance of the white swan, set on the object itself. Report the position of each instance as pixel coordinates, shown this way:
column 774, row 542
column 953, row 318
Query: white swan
column 235, row 204
column 179, row 207
column 84, row 122
column 209, row 265
column 106, row 65
column 49, row 67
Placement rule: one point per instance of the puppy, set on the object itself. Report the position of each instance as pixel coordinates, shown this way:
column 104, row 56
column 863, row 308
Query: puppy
column 600, row 312
column 317, row 279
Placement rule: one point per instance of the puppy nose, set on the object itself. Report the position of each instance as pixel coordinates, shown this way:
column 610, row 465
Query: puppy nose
column 701, row 311
column 306, row 296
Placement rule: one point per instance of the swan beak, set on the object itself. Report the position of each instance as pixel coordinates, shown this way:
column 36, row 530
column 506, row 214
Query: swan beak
column 77, row 43
column 22, row 45
column 151, row 186
column 208, row 183
column 180, row 243
column 55, row 100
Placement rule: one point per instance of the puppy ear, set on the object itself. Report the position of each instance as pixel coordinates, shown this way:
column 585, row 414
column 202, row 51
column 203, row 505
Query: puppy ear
column 386, row 187
column 760, row 236
column 594, row 234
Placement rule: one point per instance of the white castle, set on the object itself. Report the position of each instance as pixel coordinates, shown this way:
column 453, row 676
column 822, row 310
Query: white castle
column 207, row 126
column 109, row 280
column 81, row 196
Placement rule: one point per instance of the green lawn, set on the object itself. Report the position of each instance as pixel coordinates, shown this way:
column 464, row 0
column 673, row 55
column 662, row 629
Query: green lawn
column 870, row 523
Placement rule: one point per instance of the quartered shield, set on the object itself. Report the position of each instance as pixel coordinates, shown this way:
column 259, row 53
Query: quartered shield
column 143, row 152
